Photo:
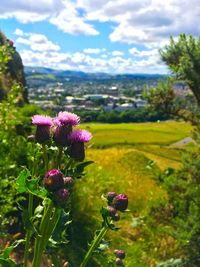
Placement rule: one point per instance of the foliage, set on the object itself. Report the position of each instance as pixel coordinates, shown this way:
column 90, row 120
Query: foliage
column 183, row 186
column 136, row 115
column 182, row 57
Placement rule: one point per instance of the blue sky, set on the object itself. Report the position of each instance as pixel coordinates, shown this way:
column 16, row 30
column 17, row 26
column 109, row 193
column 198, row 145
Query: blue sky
column 116, row 36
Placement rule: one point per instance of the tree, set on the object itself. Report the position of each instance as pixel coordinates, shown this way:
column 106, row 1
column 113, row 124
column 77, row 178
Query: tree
column 183, row 185
column 182, row 58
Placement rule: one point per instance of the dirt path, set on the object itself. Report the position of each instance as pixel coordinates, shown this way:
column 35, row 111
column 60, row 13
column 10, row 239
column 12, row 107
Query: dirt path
column 183, row 142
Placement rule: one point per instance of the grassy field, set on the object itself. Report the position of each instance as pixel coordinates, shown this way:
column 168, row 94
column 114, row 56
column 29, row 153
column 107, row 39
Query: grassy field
column 163, row 133
column 122, row 153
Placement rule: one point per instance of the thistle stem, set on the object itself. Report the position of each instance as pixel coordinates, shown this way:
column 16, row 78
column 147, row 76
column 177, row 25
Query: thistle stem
column 94, row 245
column 59, row 157
column 46, row 163
column 29, row 231
column 48, row 224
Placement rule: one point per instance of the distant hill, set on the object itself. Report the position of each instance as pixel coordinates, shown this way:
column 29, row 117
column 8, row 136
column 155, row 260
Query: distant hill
column 40, row 76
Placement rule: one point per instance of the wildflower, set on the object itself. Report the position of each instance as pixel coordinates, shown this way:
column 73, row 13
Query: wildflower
column 64, row 122
column 67, row 118
column 43, row 127
column 77, row 148
column 120, row 202
column 11, row 43
column 62, row 195
column 111, row 211
column 110, row 196
column 119, row 262
column 53, row 180
column 68, row 181
column 120, row 253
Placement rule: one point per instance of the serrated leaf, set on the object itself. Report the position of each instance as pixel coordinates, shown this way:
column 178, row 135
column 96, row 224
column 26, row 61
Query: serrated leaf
column 21, row 180
column 35, row 189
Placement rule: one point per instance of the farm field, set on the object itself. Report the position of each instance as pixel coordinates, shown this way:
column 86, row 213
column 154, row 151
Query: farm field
column 122, row 153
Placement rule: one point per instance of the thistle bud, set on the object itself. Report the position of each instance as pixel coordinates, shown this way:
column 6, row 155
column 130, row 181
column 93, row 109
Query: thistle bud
column 62, row 195
column 77, row 147
column 111, row 211
column 68, row 181
column 53, row 180
column 120, row 202
column 110, row 196
column 119, row 262
column 120, row 253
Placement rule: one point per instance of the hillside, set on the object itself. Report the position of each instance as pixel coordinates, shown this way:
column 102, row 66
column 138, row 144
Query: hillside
column 14, row 71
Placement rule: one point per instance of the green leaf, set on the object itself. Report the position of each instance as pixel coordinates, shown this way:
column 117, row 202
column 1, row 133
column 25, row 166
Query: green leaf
column 8, row 263
column 6, row 253
column 21, row 180
column 34, row 188
column 80, row 167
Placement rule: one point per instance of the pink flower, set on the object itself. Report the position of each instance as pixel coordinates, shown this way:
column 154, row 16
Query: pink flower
column 120, row 202
column 42, row 120
column 11, row 43
column 43, row 128
column 67, row 118
column 80, row 136
column 53, row 180
column 120, row 253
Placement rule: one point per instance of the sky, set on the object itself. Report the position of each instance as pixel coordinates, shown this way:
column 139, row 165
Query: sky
column 113, row 36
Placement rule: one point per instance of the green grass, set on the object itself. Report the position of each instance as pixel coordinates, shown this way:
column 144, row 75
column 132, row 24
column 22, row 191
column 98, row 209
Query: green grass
column 122, row 166
column 163, row 133
column 43, row 77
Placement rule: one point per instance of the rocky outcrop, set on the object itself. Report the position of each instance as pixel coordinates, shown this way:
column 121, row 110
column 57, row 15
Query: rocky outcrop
column 14, row 72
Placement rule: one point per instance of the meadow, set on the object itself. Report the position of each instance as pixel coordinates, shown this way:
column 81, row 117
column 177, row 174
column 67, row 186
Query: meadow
column 128, row 159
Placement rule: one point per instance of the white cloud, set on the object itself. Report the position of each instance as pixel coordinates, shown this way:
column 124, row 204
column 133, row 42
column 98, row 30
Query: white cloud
column 19, row 32
column 88, row 63
column 147, row 22
column 93, row 50
column 144, row 53
column 69, row 21
column 37, row 42
column 61, row 13
column 117, row 53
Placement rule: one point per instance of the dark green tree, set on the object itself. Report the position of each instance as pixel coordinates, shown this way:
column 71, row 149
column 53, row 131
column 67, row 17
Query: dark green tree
column 183, row 59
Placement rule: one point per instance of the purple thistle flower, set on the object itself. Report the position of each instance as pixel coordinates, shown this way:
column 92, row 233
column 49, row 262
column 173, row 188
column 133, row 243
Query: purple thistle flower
column 80, row 136
column 120, row 202
column 120, row 253
column 53, row 180
column 62, row 195
column 61, row 135
column 42, row 120
column 11, row 43
column 43, row 128
column 67, row 118
column 77, row 148
column 110, row 196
